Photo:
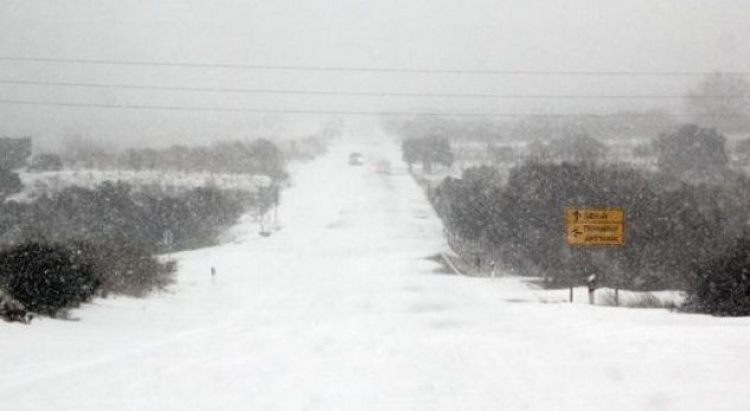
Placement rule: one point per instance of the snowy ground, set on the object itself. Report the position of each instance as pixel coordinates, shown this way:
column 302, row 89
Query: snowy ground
column 343, row 310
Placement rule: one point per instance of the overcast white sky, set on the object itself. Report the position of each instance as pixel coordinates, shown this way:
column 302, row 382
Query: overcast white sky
column 612, row 35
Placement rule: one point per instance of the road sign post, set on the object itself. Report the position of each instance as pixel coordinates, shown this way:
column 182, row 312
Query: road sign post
column 594, row 227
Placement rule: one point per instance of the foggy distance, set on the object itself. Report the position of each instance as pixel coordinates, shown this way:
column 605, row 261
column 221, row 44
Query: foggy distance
column 589, row 36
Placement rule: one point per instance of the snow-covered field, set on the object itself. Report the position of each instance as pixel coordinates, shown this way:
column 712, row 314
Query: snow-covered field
column 342, row 309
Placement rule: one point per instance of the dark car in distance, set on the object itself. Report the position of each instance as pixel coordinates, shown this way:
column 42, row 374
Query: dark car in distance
column 356, row 159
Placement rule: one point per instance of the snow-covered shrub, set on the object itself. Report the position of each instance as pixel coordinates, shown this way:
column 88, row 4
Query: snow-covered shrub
column 10, row 183
column 631, row 299
column 722, row 287
column 123, row 269
column 11, row 309
column 114, row 213
column 46, row 278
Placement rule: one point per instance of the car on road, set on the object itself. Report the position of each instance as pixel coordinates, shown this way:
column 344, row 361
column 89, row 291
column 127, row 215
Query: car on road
column 356, row 159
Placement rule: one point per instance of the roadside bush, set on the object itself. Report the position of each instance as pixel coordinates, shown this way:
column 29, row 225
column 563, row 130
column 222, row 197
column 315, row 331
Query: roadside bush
column 642, row 300
column 722, row 287
column 46, row 278
column 10, row 183
column 11, row 310
column 113, row 213
column 124, row 269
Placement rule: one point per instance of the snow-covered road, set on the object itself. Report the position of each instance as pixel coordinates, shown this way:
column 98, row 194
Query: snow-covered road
column 343, row 310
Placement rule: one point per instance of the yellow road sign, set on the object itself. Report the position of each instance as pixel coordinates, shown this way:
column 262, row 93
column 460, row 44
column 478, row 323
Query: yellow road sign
column 594, row 226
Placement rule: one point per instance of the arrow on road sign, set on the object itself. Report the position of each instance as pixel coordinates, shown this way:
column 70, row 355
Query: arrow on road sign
column 576, row 215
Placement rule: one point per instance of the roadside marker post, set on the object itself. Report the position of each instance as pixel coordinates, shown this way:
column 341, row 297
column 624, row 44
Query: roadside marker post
column 571, row 293
column 592, row 288
column 168, row 241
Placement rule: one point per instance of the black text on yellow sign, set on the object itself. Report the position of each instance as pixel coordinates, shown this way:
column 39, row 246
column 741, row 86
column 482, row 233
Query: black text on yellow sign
column 593, row 216
column 594, row 226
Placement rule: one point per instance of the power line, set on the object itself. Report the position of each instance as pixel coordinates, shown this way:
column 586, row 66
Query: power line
column 368, row 93
column 618, row 73
column 341, row 112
